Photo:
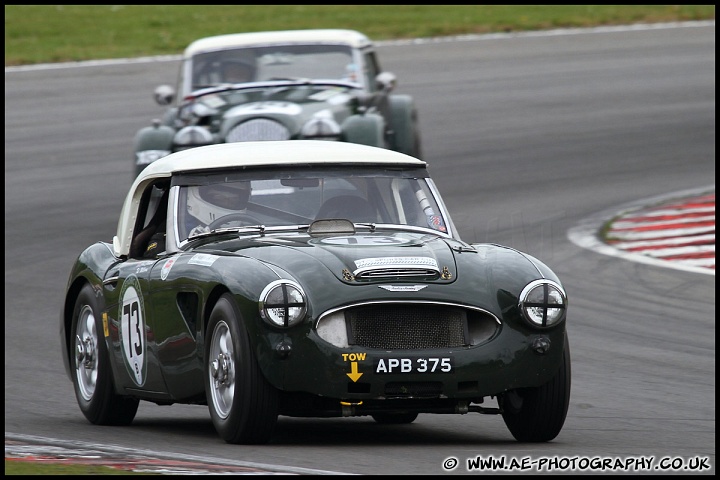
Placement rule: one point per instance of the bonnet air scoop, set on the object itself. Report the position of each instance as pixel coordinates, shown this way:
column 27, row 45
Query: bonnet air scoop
column 379, row 268
column 396, row 268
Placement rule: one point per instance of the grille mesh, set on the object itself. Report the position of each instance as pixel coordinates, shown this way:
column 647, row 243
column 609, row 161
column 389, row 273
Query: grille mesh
column 407, row 327
column 259, row 129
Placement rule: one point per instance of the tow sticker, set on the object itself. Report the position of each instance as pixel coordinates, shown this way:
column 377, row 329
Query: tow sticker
column 132, row 329
column 354, row 358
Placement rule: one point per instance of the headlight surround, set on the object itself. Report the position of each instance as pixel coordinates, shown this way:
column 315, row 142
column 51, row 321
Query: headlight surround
column 192, row 136
column 543, row 303
column 321, row 128
column 282, row 303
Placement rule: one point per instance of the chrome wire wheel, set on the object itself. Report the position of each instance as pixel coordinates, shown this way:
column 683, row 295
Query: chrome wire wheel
column 86, row 359
column 221, row 369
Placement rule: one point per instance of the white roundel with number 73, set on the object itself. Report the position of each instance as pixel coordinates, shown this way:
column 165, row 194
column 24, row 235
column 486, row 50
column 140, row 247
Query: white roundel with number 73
column 132, row 330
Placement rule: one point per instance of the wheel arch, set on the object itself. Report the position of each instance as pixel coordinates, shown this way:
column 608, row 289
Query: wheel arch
column 71, row 295
column 212, row 299
column 365, row 129
column 404, row 124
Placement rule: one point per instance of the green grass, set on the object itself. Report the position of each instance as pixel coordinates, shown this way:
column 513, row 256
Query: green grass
column 17, row 467
column 61, row 33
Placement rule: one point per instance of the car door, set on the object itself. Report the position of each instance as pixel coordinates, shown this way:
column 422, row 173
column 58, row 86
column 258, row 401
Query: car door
column 129, row 304
column 126, row 291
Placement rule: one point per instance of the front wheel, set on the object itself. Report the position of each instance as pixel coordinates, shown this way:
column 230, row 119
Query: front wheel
column 92, row 374
column 537, row 414
column 242, row 403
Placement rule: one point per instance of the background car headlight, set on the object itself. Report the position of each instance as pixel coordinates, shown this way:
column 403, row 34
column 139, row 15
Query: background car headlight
column 543, row 303
column 282, row 303
column 192, row 136
column 321, row 128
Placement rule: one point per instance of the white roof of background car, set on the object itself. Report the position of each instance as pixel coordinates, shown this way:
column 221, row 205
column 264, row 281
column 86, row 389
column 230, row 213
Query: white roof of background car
column 236, row 40
column 249, row 154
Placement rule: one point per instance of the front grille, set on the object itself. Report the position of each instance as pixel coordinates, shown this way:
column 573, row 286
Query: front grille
column 413, row 325
column 390, row 327
column 258, row 129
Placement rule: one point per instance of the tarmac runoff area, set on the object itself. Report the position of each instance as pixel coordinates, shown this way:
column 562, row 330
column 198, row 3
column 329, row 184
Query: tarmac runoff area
column 675, row 231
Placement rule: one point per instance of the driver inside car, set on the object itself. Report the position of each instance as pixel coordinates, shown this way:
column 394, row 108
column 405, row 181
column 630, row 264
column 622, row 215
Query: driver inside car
column 237, row 72
column 208, row 203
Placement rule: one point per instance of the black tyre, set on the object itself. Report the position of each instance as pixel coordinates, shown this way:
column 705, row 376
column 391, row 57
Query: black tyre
column 92, row 373
column 538, row 414
column 394, row 418
column 242, row 403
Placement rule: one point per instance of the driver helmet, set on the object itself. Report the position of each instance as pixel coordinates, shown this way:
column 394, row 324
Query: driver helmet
column 237, row 71
column 210, row 202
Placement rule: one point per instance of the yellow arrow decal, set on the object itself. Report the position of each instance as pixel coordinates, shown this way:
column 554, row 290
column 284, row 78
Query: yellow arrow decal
column 354, row 375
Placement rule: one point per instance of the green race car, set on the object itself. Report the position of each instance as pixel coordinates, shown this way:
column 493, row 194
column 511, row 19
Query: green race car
column 313, row 279
column 323, row 84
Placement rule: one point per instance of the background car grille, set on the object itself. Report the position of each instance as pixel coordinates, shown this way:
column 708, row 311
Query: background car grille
column 388, row 326
column 258, row 129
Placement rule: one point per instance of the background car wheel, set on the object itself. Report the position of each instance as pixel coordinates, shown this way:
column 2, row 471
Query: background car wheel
column 538, row 414
column 242, row 403
column 92, row 374
column 394, row 418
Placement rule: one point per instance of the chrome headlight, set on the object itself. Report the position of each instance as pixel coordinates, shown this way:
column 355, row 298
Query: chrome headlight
column 282, row 303
column 192, row 136
column 543, row 303
column 321, row 128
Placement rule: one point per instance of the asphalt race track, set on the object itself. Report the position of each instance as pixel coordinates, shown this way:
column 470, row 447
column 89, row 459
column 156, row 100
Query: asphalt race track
column 528, row 137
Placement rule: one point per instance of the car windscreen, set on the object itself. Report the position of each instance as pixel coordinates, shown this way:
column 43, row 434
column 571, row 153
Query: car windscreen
column 298, row 196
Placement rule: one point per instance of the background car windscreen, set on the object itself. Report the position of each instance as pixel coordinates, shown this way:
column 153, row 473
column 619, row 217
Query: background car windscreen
column 329, row 62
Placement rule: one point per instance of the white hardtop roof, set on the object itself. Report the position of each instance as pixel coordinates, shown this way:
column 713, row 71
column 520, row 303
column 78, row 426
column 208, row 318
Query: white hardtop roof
column 273, row 153
column 237, row 40
column 250, row 154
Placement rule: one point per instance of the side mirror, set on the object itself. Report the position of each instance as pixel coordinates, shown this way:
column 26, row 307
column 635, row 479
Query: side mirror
column 116, row 246
column 164, row 95
column 386, row 81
